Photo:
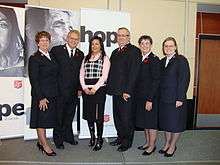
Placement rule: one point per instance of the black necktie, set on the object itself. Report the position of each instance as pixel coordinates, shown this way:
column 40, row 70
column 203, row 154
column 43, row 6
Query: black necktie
column 71, row 54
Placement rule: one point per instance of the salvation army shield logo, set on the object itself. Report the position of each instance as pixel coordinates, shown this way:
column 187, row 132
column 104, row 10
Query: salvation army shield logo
column 17, row 84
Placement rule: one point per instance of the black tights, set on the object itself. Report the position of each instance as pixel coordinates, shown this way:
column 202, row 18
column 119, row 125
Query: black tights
column 99, row 127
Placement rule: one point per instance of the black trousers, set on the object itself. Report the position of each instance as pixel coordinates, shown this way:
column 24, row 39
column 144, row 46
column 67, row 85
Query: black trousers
column 64, row 118
column 123, row 119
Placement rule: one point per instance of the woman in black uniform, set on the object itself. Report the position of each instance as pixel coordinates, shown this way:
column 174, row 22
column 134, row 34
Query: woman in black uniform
column 93, row 75
column 146, row 94
column 44, row 90
column 174, row 82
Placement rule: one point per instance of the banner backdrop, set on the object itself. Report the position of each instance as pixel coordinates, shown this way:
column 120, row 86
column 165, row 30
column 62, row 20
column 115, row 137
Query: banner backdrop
column 58, row 23
column 11, row 71
column 103, row 23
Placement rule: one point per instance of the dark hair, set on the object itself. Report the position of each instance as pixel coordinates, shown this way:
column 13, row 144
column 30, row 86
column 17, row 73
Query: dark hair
column 90, row 47
column 145, row 37
column 16, row 43
column 174, row 41
column 41, row 34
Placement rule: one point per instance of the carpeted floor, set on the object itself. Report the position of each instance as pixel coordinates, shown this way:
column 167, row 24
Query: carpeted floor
column 198, row 147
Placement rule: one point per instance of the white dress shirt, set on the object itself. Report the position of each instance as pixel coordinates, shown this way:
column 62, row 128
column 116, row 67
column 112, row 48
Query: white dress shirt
column 69, row 50
column 45, row 54
column 168, row 59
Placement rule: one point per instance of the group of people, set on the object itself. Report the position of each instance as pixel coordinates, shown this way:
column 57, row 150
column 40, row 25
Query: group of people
column 147, row 92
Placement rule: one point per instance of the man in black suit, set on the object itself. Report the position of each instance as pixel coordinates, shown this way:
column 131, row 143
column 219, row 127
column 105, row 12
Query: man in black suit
column 125, row 64
column 69, row 59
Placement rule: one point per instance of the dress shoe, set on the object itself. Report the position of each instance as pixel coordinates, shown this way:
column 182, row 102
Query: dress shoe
column 98, row 145
column 48, row 153
column 73, row 142
column 122, row 148
column 39, row 146
column 116, row 142
column 142, row 147
column 149, row 153
column 59, row 146
column 162, row 151
column 170, row 155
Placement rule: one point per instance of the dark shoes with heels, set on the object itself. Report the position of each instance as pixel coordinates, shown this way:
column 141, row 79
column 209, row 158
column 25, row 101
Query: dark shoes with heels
column 167, row 154
column 170, row 155
column 142, row 147
column 41, row 148
column 98, row 145
column 145, row 153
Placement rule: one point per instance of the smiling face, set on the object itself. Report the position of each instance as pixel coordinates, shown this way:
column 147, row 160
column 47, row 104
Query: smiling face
column 44, row 43
column 96, row 46
column 73, row 39
column 5, row 29
column 123, row 37
column 145, row 46
column 169, row 47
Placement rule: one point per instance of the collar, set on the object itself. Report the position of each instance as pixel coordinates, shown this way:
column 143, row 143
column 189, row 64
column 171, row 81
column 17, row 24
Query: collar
column 145, row 56
column 46, row 54
column 171, row 56
column 69, row 49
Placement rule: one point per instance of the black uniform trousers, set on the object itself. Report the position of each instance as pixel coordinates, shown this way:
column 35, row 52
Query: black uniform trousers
column 123, row 119
column 65, row 114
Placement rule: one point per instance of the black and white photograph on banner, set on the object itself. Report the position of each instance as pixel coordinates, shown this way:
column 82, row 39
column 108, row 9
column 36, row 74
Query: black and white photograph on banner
column 11, row 44
column 55, row 21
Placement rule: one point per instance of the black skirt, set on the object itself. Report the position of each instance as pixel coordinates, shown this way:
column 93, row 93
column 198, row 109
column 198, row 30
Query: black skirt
column 146, row 119
column 94, row 105
column 40, row 118
column 172, row 119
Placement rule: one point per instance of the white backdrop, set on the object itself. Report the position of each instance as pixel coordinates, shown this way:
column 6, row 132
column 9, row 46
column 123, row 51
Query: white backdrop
column 102, row 22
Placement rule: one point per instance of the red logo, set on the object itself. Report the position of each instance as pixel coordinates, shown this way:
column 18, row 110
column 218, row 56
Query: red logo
column 106, row 118
column 17, row 84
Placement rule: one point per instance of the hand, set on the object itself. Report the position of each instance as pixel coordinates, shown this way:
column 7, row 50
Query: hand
column 79, row 93
column 93, row 91
column 43, row 104
column 148, row 106
column 87, row 91
column 179, row 103
column 126, row 96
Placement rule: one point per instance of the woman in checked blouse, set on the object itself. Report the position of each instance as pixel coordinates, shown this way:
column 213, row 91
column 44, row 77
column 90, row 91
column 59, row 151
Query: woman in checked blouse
column 93, row 75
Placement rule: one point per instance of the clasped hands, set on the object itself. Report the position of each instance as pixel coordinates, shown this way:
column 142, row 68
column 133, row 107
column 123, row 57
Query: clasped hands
column 90, row 91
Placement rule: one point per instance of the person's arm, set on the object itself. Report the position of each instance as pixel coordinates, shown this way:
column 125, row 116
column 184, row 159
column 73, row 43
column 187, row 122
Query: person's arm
column 183, row 78
column 82, row 75
column 155, row 74
column 134, row 66
column 34, row 76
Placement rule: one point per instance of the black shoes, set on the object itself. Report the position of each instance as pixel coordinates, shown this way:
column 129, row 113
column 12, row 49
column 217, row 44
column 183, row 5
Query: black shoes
column 162, row 151
column 41, row 148
column 98, row 145
column 170, row 155
column 145, row 153
column 49, row 153
column 142, row 147
column 122, row 148
column 116, row 142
